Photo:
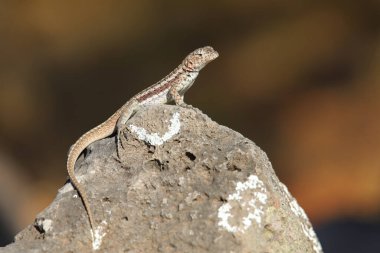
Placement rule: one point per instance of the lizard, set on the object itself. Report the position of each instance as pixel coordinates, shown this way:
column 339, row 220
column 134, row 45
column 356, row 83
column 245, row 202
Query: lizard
column 169, row 89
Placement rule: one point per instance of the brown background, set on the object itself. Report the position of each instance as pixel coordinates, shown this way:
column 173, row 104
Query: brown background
column 301, row 79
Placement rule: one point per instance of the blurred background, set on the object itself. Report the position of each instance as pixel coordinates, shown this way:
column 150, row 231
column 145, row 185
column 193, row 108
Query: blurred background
column 299, row 78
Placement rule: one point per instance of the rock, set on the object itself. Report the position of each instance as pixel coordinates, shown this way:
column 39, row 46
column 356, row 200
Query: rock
column 172, row 180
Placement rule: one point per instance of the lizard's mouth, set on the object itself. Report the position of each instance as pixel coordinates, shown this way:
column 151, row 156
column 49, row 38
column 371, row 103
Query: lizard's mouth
column 213, row 54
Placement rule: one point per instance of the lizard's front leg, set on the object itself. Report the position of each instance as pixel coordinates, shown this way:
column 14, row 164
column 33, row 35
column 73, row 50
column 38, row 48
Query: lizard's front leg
column 177, row 98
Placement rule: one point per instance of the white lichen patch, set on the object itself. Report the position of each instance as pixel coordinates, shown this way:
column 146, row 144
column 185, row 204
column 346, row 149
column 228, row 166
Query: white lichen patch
column 299, row 212
column 154, row 138
column 309, row 232
column 297, row 209
column 45, row 224
column 98, row 235
column 248, row 199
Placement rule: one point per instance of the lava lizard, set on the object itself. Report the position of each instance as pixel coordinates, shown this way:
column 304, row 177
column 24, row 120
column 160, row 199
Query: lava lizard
column 170, row 88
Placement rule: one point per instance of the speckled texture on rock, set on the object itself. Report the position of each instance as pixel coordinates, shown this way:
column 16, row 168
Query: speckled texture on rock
column 205, row 189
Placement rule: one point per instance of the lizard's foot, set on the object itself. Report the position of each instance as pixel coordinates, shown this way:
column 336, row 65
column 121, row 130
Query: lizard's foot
column 187, row 106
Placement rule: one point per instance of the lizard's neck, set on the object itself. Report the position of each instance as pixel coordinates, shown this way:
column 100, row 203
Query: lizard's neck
column 158, row 93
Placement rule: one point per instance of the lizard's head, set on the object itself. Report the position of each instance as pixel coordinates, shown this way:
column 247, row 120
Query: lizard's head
column 199, row 58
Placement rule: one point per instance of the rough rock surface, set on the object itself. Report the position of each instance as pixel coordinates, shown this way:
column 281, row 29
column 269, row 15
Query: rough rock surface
column 173, row 180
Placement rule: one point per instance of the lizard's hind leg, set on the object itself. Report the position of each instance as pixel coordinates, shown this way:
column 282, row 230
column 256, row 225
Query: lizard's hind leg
column 120, row 125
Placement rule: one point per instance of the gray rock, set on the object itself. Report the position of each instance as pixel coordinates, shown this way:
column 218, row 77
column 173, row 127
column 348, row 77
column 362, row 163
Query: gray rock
column 173, row 180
